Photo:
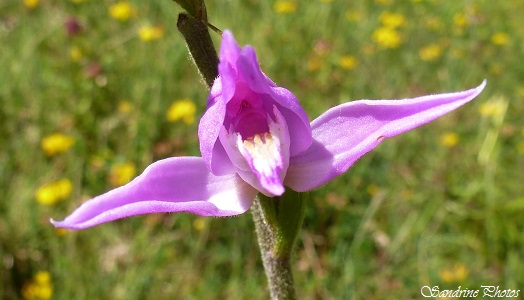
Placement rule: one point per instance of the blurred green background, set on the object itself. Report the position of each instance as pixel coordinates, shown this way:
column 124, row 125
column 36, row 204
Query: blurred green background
column 91, row 92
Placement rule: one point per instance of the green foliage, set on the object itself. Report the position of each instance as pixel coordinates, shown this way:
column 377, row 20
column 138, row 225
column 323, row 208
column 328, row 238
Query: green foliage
column 424, row 208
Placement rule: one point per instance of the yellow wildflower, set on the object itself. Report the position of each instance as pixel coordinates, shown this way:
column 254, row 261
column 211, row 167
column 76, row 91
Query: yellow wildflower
column 122, row 11
column 40, row 288
column 43, row 277
column 496, row 106
column 76, row 54
column 125, row 106
column 457, row 273
column 430, row 52
column 500, row 38
column 31, row 3
column 392, row 20
column 78, row 1
column 182, row 110
column 387, row 37
column 149, row 33
column 383, row 2
column 460, row 20
column 348, row 62
column 449, row 139
column 51, row 193
column 122, row 173
column 56, row 143
column 285, row 7
column 200, row 223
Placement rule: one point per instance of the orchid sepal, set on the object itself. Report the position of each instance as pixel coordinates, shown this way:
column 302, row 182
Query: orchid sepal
column 176, row 184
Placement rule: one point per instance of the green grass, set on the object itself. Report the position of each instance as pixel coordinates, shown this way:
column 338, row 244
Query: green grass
column 399, row 217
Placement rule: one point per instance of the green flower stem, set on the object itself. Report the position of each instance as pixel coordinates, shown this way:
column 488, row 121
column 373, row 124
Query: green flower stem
column 278, row 221
column 200, row 46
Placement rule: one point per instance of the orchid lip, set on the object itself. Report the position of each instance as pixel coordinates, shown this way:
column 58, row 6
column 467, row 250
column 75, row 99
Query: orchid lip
column 261, row 159
column 262, row 153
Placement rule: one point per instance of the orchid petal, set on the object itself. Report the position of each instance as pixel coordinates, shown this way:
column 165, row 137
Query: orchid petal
column 229, row 53
column 296, row 119
column 248, row 71
column 209, row 128
column 346, row 132
column 228, row 79
column 229, row 49
column 178, row 184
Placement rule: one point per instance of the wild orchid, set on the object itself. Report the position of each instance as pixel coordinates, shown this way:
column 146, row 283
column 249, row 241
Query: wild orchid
column 256, row 138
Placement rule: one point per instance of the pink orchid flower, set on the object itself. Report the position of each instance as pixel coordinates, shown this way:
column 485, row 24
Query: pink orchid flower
column 256, row 138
